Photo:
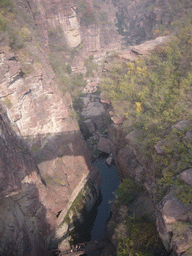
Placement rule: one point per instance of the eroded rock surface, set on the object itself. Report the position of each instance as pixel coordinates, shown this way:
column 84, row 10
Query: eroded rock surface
column 45, row 161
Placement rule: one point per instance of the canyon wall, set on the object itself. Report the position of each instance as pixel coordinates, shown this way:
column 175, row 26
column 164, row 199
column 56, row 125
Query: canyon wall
column 45, row 162
column 164, row 198
column 171, row 210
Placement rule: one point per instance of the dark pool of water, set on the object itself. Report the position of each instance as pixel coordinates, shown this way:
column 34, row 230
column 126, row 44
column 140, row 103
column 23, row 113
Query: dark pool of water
column 109, row 183
column 95, row 224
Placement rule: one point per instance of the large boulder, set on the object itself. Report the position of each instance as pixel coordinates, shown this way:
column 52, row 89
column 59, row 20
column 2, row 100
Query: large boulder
column 94, row 110
column 159, row 147
column 104, row 145
column 129, row 164
column 147, row 47
column 186, row 176
column 90, row 125
column 182, row 124
column 173, row 223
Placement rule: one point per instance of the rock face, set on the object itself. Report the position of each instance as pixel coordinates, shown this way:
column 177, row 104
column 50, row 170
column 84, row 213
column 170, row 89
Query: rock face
column 49, row 15
column 30, row 202
column 138, row 21
column 25, row 221
column 45, row 162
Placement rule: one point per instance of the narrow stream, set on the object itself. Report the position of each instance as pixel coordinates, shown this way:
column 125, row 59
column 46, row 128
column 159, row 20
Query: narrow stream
column 109, row 183
column 95, row 225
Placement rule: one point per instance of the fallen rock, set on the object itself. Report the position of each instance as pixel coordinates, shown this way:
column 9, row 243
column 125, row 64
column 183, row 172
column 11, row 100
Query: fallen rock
column 188, row 136
column 173, row 209
column 118, row 120
column 93, row 110
column 109, row 160
column 158, row 148
column 104, row 145
column 104, row 99
column 90, row 125
column 186, row 176
column 181, row 240
column 147, row 47
column 182, row 124
column 132, row 140
column 173, row 223
column 127, row 162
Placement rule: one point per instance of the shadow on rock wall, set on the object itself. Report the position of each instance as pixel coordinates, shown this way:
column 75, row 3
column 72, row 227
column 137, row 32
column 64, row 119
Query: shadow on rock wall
column 29, row 204
column 23, row 217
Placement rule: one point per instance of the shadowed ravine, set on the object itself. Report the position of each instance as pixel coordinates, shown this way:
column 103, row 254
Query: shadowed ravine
column 95, row 224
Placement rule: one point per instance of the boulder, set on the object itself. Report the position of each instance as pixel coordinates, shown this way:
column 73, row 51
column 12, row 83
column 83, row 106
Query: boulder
column 132, row 139
column 93, row 110
column 158, row 147
column 147, row 47
column 104, row 99
column 109, row 160
column 173, row 225
column 127, row 162
column 90, row 125
column 188, row 136
column 181, row 240
column 118, row 120
column 173, row 209
column 182, row 124
column 104, row 145
column 128, row 55
column 186, row 176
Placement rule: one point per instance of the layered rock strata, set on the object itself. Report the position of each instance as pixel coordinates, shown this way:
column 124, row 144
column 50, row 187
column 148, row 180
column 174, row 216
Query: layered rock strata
column 45, row 162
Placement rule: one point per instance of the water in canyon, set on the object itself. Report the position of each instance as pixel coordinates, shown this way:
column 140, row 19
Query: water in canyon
column 109, row 183
column 96, row 221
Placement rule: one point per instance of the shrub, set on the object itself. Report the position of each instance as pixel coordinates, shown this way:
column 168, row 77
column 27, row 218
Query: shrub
column 154, row 93
column 86, row 13
column 90, row 66
column 143, row 239
column 128, row 190
column 8, row 102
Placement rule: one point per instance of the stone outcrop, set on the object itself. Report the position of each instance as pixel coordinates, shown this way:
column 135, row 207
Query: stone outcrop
column 186, row 176
column 133, row 53
column 93, row 110
column 173, row 224
column 104, row 145
column 138, row 21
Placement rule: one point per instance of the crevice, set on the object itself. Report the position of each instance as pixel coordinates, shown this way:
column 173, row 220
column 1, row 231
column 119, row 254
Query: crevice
column 58, row 213
column 136, row 53
column 28, row 3
column 26, row 93
column 4, row 96
column 17, row 77
column 12, row 58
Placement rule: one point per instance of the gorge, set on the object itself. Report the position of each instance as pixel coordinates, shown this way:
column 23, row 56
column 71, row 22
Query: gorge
column 81, row 78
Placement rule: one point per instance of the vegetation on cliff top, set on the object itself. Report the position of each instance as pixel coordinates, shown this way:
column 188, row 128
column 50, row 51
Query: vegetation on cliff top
column 136, row 235
column 154, row 94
